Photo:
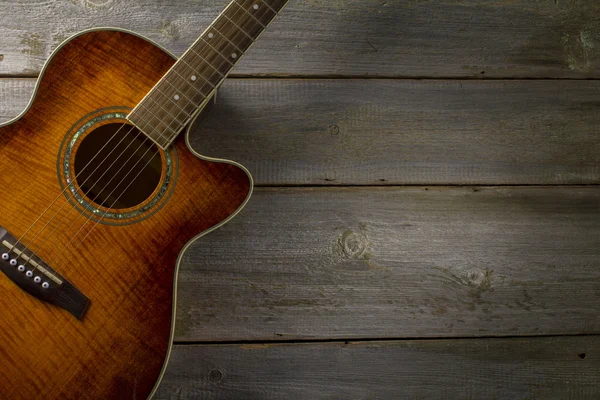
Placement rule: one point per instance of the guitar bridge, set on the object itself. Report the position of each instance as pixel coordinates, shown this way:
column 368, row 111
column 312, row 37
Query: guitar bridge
column 35, row 277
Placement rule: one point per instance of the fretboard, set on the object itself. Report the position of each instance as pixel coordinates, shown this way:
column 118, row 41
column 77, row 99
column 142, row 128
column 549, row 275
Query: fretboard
column 195, row 77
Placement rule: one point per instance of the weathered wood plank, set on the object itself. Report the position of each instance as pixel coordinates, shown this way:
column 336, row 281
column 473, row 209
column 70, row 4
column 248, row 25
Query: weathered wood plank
column 387, row 132
column 14, row 96
column 412, row 38
column 395, row 263
column 541, row 368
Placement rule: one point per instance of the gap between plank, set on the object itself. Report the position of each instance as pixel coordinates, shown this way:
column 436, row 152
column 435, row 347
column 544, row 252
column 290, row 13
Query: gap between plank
column 366, row 77
column 377, row 340
column 433, row 185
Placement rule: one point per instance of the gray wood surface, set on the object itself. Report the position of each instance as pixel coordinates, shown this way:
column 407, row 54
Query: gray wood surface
column 348, row 263
column 14, row 97
column 400, row 38
column 542, row 368
column 327, row 263
column 389, row 132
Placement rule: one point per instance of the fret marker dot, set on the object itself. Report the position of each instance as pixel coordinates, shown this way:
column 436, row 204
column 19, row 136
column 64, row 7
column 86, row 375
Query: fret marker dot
column 176, row 97
column 193, row 78
column 255, row 6
column 233, row 55
column 211, row 35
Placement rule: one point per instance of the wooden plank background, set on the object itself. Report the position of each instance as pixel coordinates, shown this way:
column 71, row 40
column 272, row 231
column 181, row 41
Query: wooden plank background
column 394, row 38
column 426, row 170
column 525, row 368
column 323, row 263
column 391, row 132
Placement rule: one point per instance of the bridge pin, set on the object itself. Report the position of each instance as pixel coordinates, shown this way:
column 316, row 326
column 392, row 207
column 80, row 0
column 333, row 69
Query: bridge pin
column 5, row 256
column 45, row 285
column 37, row 279
column 29, row 274
column 21, row 268
column 13, row 262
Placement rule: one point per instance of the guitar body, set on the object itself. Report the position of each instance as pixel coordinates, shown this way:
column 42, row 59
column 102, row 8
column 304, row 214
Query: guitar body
column 126, row 266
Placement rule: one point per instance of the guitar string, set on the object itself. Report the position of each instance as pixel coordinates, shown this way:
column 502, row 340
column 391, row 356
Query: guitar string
column 188, row 87
column 28, row 246
column 182, row 110
column 105, row 172
column 100, row 219
column 116, row 133
column 75, row 179
column 20, row 240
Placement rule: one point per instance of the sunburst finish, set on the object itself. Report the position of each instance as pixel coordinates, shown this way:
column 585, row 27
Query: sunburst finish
column 127, row 271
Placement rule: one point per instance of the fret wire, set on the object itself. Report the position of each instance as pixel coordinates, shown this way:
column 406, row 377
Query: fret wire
column 256, row 16
column 161, row 119
column 249, row 13
column 233, row 26
column 263, row 13
column 178, row 90
column 153, row 127
column 267, row 4
column 194, row 70
column 188, row 86
column 174, row 119
column 231, row 29
column 218, row 52
column 164, row 135
column 172, row 102
column 225, row 37
column 188, row 116
column 223, row 25
column 183, row 58
column 149, row 95
column 166, row 125
column 198, row 72
column 168, row 112
column 218, row 72
column 244, row 32
column 245, row 22
column 210, row 64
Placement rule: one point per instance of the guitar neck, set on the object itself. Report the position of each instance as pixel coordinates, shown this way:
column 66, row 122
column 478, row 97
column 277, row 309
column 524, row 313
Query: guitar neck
column 196, row 76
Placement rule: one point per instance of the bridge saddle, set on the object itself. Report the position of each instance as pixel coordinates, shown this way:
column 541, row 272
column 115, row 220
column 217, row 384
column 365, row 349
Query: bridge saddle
column 35, row 277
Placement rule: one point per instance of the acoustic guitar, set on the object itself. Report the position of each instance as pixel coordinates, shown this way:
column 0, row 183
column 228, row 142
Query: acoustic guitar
column 100, row 194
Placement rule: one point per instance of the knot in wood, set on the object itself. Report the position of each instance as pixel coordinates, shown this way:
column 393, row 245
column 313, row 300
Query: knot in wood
column 475, row 278
column 479, row 281
column 96, row 4
column 353, row 244
column 334, row 129
column 215, row 376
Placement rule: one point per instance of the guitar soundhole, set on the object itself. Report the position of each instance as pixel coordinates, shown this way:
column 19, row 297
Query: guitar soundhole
column 117, row 167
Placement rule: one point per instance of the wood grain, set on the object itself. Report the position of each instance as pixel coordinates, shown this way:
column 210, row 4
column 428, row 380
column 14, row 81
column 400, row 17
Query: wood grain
column 541, row 368
column 396, row 38
column 127, row 271
column 390, row 132
column 329, row 263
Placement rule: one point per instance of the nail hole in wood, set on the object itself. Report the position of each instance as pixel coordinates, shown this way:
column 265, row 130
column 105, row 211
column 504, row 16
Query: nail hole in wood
column 215, row 376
